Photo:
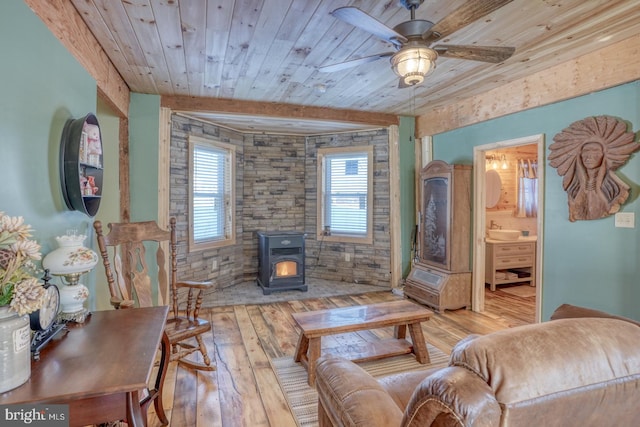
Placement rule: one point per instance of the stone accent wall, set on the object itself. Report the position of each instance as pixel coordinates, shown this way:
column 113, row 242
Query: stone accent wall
column 369, row 264
column 273, row 196
column 276, row 186
column 198, row 265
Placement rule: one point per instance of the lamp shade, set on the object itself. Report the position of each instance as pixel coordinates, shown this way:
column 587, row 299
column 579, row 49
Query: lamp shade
column 413, row 63
column 71, row 257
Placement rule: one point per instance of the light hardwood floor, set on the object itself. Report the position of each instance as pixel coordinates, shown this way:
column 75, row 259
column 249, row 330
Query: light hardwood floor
column 244, row 390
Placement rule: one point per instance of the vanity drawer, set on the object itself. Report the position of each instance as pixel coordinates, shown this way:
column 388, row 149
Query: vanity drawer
column 514, row 261
column 503, row 249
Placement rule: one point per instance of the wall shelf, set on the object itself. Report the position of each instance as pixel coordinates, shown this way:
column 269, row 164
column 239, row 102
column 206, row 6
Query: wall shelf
column 81, row 164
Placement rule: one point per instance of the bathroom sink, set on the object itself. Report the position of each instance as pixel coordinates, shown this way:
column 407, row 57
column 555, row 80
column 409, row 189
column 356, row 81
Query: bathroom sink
column 504, row 234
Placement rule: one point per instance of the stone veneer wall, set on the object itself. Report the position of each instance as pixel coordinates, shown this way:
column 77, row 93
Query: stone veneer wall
column 273, row 196
column 368, row 264
column 198, row 265
column 276, row 186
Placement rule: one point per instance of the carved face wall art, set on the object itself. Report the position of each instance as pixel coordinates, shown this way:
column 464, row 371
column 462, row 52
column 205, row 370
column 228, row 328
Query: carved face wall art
column 586, row 154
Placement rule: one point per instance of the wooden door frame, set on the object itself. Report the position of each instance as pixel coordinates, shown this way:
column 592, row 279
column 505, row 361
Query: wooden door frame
column 479, row 219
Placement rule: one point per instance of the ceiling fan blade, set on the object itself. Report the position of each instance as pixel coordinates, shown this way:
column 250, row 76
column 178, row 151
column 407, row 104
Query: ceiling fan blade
column 358, row 18
column 469, row 12
column 493, row 54
column 353, row 63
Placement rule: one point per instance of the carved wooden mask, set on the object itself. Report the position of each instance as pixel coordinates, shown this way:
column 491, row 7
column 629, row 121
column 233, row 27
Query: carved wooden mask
column 586, row 154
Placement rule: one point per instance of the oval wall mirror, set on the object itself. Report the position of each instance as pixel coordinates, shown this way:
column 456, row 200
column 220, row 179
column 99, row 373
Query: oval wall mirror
column 493, row 188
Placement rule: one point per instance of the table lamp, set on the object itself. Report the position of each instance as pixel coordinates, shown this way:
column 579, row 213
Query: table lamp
column 69, row 261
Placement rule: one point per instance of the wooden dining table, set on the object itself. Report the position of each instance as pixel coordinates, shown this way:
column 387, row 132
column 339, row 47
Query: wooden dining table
column 99, row 368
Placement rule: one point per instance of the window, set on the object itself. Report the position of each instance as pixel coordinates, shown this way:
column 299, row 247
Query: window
column 211, row 193
column 345, row 199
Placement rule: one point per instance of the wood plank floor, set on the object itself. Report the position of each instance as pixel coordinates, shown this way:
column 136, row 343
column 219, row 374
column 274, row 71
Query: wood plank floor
column 244, row 390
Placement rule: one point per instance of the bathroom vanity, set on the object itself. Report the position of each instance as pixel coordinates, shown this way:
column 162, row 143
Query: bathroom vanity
column 509, row 262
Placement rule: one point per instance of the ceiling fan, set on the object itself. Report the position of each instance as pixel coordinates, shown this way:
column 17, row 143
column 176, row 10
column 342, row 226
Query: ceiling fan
column 414, row 57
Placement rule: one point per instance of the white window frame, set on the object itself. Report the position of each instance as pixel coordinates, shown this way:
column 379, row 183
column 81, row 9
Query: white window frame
column 230, row 196
column 333, row 236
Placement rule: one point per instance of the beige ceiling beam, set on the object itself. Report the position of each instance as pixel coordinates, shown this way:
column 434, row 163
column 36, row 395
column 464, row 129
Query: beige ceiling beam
column 64, row 21
column 601, row 69
column 273, row 109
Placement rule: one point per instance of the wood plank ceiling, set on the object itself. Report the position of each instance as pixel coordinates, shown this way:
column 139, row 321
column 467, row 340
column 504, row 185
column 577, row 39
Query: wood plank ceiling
column 269, row 50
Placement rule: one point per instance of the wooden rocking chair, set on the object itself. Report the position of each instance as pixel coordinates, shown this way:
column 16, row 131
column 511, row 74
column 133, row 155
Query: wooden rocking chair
column 130, row 284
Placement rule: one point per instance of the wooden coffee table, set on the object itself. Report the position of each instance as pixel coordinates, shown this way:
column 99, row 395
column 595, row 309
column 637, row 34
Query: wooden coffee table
column 400, row 314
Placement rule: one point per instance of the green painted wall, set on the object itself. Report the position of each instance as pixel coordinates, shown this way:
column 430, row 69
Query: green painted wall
column 144, row 152
column 588, row 263
column 144, row 137
column 41, row 86
column 407, row 189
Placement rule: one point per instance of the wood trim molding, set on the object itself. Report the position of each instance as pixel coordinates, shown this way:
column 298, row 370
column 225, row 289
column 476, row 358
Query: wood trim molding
column 64, row 21
column 125, row 194
column 164, row 165
column 604, row 68
column 394, row 198
column 273, row 109
column 164, row 161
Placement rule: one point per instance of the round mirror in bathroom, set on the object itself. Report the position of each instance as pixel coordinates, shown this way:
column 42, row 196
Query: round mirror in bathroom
column 493, row 188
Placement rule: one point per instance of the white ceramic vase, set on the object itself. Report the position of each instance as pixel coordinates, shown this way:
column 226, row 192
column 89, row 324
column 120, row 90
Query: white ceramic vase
column 15, row 349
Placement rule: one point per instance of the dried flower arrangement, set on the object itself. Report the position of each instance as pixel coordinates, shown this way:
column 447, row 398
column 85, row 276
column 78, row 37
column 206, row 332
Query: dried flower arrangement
column 18, row 287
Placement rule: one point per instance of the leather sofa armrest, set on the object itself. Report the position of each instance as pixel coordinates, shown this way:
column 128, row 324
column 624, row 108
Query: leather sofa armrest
column 349, row 396
column 452, row 396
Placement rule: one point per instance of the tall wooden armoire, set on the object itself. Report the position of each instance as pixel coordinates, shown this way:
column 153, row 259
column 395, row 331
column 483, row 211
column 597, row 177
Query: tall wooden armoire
column 441, row 274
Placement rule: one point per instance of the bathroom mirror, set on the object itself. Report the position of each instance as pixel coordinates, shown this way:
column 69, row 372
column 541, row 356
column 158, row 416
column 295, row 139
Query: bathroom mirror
column 493, row 188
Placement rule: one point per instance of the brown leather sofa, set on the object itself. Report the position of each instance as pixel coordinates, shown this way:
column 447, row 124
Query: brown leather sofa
column 566, row 372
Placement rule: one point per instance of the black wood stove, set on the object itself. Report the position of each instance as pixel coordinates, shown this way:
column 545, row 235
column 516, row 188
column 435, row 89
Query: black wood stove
column 281, row 261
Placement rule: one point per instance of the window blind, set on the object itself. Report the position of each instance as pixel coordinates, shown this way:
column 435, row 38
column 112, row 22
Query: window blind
column 211, row 184
column 346, row 185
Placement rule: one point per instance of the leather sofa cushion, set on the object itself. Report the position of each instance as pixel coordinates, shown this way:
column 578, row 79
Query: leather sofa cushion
column 536, row 361
column 401, row 386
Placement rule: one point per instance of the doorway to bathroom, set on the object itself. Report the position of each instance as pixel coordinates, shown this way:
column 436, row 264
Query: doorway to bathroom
column 508, row 203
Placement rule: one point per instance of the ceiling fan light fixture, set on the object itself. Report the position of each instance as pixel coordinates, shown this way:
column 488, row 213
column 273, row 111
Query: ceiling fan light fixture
column 413, row 63
column 412, row 79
